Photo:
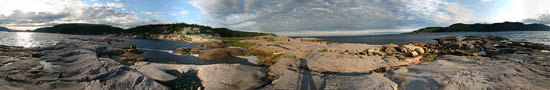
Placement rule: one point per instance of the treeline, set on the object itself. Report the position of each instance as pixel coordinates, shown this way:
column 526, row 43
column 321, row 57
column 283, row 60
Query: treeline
column 100, row 29
column 496, row 27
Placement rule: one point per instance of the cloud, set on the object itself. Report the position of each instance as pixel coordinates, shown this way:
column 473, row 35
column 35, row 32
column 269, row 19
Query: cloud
column 117, row 5
column 542, row 19
column 183, row 12
column 327, row 15
column 72, row 11
column 485, row 0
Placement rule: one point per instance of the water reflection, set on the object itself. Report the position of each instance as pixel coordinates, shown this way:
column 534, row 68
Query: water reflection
column 24, row 39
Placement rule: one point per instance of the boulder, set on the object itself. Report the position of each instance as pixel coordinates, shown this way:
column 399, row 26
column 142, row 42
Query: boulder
column 195, row 51
column 181, row 50
column 131, row 58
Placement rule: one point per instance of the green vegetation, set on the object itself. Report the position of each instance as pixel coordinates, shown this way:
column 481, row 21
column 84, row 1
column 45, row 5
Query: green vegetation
column 79, row 28
column 234, row 41
column 187, row 81
column 506, row 26
column 323, row 50
column 176, row 28
column 192, row 29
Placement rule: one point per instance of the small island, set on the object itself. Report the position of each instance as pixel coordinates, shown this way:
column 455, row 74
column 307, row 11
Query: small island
column 80, row 28
column 495, row 27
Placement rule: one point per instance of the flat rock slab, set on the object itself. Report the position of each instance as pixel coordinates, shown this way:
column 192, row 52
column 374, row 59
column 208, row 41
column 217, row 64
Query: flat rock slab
column 308, row 80
column 470, row 73
column 334, row 62
column 70, row 66
column 213, row 77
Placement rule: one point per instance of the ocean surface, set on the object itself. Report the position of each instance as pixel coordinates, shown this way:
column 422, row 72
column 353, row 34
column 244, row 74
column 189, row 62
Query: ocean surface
column 525, row 36
column 154, row 50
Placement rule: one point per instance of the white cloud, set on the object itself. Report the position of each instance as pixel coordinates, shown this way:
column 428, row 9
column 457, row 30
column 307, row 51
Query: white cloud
column 117, row 5
column 542, row 19
column 183, row 12
column 23, row 14
column 327, row 15
column 485, row 0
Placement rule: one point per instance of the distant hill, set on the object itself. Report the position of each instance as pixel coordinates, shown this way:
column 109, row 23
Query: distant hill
column 183, row 28
column 496, row 27
column 80, row 28
column 4, row 29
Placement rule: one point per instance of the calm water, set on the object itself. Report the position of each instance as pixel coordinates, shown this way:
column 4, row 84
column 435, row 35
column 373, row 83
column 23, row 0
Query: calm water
column 155, row 50
column 529, row 36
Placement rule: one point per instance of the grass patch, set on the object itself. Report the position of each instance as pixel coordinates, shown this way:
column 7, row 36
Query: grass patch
column 234, row 41
column 323, row 50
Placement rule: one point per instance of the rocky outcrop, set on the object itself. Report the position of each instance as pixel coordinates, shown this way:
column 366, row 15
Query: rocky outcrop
column 182, row 51
column 474, row 73
column 334, row 62
column 213, row 77
column 289, row 74
column 221, row 53
column 125, row 55
column 68, row 65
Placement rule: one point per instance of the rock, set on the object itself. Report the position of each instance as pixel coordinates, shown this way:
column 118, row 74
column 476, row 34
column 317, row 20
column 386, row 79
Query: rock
column 308, row 80
column 413, row 54
column 221, row 53
column 282, row 65
column 131, row 58
column 268, row 49
column 71, row 66
column 213, row 77
column 182, row 50
column 444, row 40
column 195, row 51
column 419, row 50
column 333, row 62
column 231, row 77
column 471, row 73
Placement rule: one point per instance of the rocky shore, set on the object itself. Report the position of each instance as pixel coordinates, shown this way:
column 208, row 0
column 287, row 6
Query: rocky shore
column 474, row 62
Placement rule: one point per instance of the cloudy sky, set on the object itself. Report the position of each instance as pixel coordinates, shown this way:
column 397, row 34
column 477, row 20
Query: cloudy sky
column 284, row 17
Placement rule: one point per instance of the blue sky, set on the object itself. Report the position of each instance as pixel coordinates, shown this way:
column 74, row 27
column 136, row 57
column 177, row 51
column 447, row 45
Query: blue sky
column 286, row 17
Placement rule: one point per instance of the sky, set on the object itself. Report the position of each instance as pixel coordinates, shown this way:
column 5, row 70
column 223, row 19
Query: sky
column 282, row 17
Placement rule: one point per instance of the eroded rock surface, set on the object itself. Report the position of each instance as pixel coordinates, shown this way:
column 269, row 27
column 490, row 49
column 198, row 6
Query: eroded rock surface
column 69, row 66
column 213, row 77
column 473, row 73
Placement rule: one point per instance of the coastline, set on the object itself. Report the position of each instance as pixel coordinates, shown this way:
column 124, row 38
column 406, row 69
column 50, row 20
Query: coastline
column 296, row 63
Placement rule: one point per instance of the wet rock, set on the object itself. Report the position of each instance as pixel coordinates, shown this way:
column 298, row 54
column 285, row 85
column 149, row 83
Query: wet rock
column 131, row 58
column 182, row 50
column 195, row 51
column 221, row 53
